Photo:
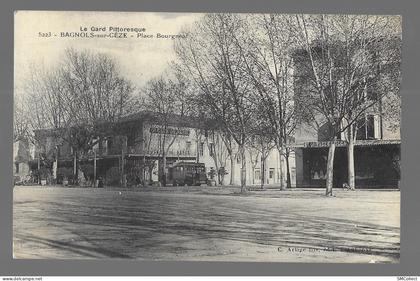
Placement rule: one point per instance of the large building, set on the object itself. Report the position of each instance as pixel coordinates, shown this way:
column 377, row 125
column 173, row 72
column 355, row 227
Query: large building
column 378, row 141
column 134, row 154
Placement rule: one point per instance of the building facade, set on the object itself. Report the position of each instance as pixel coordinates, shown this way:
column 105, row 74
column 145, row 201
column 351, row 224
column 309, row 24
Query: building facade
column 21, row 159
column 144, row 146
column 378, row 140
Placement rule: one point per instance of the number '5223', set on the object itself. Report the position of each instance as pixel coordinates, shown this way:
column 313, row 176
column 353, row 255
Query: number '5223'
column 44, row 34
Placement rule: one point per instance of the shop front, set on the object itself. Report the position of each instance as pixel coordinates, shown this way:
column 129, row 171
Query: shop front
column 376, row 163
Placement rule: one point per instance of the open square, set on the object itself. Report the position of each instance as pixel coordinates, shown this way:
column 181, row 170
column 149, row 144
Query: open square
column 206, row 223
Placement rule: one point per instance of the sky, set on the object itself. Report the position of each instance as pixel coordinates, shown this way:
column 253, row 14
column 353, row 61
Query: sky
column 139, row 59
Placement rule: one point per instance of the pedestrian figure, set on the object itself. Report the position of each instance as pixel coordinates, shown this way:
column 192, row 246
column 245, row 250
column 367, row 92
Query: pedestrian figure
column 100, row 182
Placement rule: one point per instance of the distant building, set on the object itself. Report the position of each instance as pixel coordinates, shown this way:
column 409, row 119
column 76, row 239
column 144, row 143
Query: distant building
column 21, row 158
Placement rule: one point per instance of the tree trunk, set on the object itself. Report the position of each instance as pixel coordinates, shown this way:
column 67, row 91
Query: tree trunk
column 220, row 177
column 75, row 170
column 243, row 168
column 123, row 181
column 144, row 170
column 262, row 172
column 289, row 182
column 281, row 175
column 350, row 159
column 39, row 168
column 232, row 170
column 74, row 165
column 330, row 169
column 55, row 169
column 164, row 170
column 94, row 169
column 217, row 170
column 198, row 147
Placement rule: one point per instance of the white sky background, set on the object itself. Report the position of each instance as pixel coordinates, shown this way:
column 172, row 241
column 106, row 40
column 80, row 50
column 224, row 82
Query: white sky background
column 138, row 59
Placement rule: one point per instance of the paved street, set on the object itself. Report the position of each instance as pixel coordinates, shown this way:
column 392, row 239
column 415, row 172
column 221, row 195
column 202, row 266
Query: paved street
column 206, row 224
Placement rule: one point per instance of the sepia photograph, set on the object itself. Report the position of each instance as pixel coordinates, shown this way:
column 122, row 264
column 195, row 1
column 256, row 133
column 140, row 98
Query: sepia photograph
column 229, row 137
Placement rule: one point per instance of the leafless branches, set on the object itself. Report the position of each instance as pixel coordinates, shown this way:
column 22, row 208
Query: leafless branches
column 78, row 99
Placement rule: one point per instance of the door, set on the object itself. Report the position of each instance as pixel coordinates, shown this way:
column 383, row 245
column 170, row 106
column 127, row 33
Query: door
column 271, row 176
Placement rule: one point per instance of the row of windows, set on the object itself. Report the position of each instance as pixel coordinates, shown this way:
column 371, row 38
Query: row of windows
column 109, row 144
column 201, row 148
column 257, row 174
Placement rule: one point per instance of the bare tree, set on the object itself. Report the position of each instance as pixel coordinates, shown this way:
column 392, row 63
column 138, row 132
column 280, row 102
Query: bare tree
column 42, row 109
column 21, row 122
column 267, row 47
column 341, row 56
column 79, row 100
column 166, row 98
column 210, row 56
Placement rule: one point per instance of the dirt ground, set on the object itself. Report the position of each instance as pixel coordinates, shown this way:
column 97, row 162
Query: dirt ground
column 211, row 224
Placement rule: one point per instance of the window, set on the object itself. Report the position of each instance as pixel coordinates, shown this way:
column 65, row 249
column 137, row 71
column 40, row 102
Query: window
column 271, row 174
column 17, row 168
column 257, row 175
column 201, row 150
column 369, row 128
column 188, row 146
column 131, row 140
column 211, row 149
column 361, row 129
column 109, row 144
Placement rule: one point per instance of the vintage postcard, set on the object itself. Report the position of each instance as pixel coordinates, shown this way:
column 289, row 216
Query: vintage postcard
column 207, row 137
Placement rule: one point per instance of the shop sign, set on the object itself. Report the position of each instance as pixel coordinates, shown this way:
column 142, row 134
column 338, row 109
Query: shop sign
column 170, row 131
column 341, row 143
column 323, row 143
